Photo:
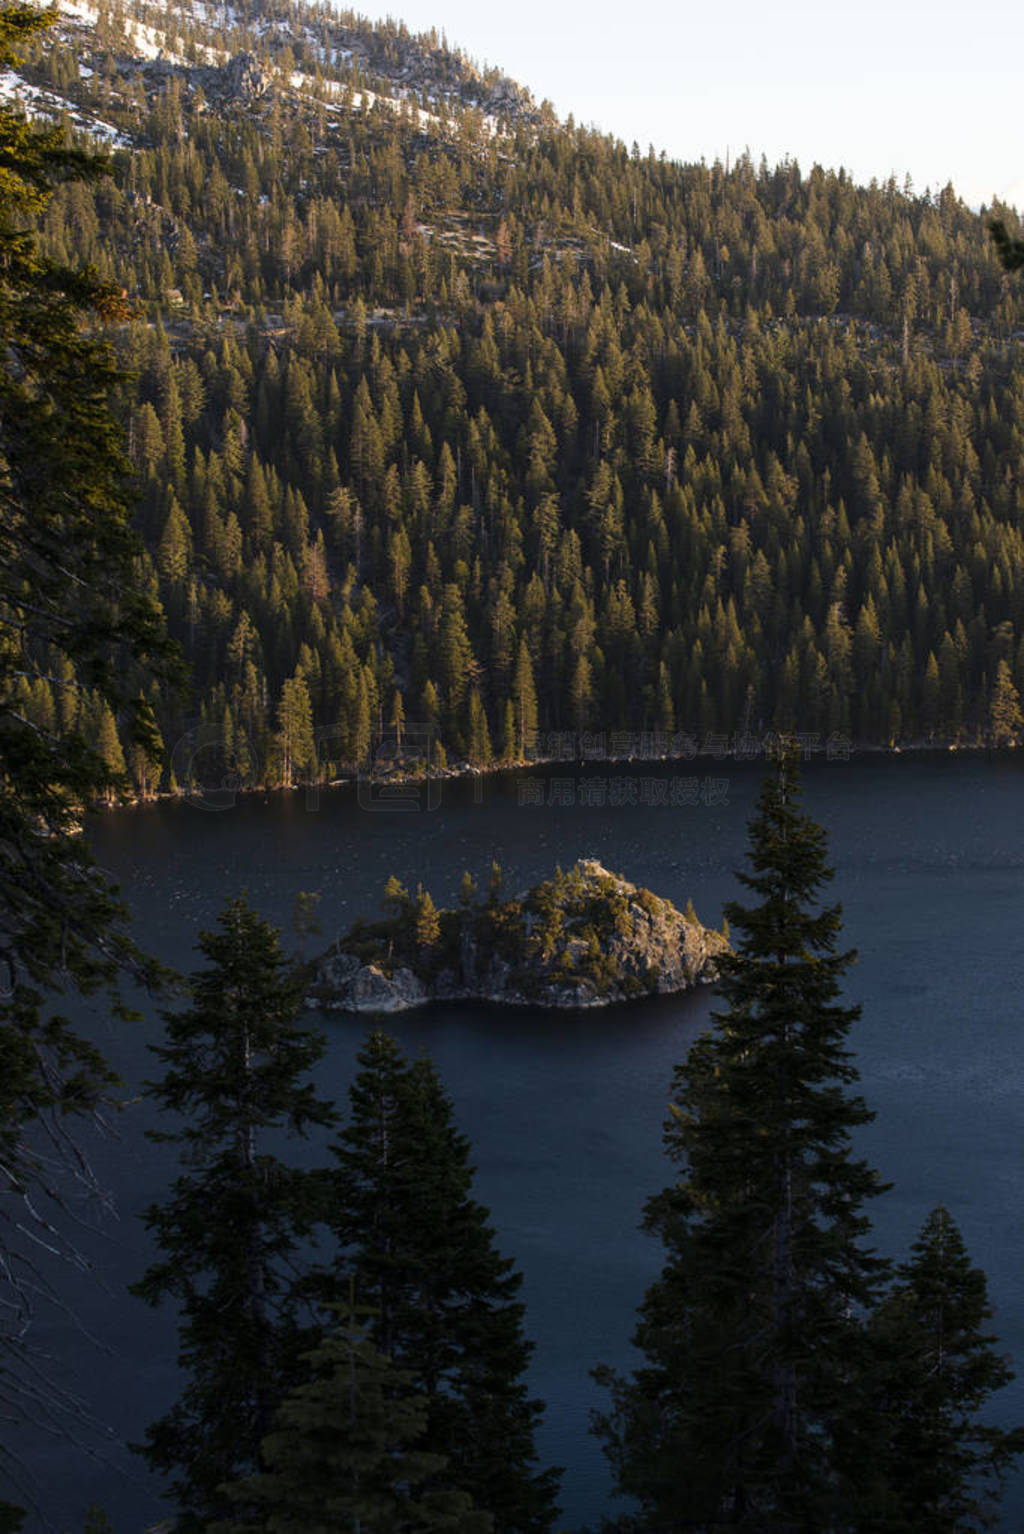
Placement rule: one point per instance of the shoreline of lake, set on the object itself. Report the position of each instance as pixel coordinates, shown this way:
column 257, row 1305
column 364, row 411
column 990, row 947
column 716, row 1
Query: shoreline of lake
column 225, row 796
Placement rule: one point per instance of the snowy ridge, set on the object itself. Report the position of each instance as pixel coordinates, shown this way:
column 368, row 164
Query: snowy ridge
column 339, row 61
column 37, row 102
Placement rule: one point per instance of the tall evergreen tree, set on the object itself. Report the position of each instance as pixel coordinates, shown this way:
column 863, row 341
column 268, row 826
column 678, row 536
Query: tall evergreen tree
column 525, row 696
column 72, row 613
column 753, row 1332
column 1006, row 721
column 69, row 591
column 424, row 1257
column 926, row 1462
column 295, row 740
column 344, row 1453
column 1010, row 249
column 235, row 1068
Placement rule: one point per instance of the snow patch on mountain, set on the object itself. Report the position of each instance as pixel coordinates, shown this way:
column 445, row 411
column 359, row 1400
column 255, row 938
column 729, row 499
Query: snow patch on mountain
column 36, row 102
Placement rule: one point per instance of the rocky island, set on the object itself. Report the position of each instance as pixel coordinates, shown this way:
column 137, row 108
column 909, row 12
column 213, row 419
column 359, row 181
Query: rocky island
column 585, row 938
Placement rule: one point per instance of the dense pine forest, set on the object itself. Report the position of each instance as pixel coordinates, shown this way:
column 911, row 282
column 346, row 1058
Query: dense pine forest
column 446, row 413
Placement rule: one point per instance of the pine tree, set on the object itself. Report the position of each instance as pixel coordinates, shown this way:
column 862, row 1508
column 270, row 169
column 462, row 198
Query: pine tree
column 1006, row 721
column 73, row 612
column 395, row 901
column 146, row 766
column 478, row 735
column 295, row 743
column 343, row 1453
column 525, row 698
column 397, row 720
column 455, row 656
column 427, row 921
column 927, row 1465
column 304, row 919
column 1009, row 248
column 508, row 731
column 235, row 1063
column 108, row 747
column 423, row 1255
column 752, row 1334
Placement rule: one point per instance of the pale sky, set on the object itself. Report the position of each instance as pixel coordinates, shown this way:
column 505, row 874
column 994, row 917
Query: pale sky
column 916, row 86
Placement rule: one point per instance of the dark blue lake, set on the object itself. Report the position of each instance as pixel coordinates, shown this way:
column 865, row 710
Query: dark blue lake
column 565, row 1112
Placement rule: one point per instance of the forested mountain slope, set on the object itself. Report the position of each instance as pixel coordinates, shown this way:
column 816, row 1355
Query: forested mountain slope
column 446, row 412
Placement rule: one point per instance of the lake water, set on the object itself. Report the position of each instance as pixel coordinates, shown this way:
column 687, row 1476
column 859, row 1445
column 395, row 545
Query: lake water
column 565, row 1112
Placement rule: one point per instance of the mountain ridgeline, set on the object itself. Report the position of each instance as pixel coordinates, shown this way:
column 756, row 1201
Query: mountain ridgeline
column 446, row 414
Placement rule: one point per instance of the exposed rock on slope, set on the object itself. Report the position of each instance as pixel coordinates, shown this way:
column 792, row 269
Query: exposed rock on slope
column 245, row 78
column 585, row 938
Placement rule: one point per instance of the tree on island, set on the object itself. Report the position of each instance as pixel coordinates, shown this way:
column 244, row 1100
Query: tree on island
column 236, row 1067
column 445, row 1303
column 395, row 901
column 753, row 1333
column 304, row 919
column 427, row 921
